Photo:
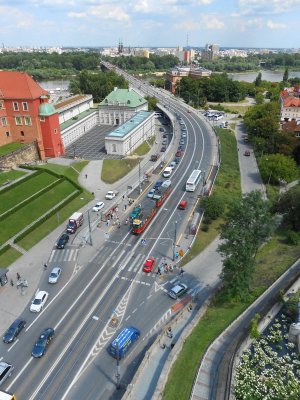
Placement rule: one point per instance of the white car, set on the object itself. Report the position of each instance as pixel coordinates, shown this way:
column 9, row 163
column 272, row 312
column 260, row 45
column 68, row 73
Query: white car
column 172, row 165
column 98, row 206
column 110, row 195
column 39, row 301
column 54, row 275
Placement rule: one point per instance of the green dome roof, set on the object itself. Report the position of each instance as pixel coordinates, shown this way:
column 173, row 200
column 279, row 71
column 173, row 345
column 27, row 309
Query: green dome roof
column 46, row 109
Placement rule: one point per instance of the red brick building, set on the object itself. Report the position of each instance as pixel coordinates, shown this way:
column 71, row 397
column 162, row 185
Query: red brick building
column 26, row 116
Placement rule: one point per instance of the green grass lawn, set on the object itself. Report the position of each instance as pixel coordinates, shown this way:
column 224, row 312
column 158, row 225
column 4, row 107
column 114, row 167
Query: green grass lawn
column 113, row 170
column 11, row 175
column 8, row 257
column 70, row 172
column 15, row 222
column 23, row 190
column 142, row 149
column 53, row 222
column 10, row 147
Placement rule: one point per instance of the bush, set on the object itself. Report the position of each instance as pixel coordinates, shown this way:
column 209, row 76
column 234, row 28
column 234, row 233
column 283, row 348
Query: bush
column 207, row 220
column 205, row 228
column 293, row 238
column 214, row 206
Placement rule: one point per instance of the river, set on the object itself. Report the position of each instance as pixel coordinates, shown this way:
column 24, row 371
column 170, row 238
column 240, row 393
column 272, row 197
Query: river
column 271, row 76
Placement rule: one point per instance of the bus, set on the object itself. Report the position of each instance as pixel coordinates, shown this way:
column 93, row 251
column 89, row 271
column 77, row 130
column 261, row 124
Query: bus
column 123, row 342
column 7, row 396
column 193, row 180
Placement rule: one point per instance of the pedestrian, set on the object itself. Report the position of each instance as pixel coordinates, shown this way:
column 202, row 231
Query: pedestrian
column 45, row 266
column 85, row 176
column 119, row 225
column 11, row 282
column 18, row 276
column 166, row 268
column 123, row 197
column 181, row 272
column 125, row 207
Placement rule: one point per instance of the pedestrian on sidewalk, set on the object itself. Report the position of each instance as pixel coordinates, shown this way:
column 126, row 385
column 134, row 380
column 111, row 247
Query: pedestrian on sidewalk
column 18, row 276
column 85, row 176
column 45, row 266
column 181, row 272
column 11, row 282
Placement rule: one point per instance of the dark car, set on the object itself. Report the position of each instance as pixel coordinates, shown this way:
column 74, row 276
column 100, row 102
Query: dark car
column 177, row 160
column 14, row 330
column 157, row 184
column 40, row 346
column 163, row 149
column 62, row 241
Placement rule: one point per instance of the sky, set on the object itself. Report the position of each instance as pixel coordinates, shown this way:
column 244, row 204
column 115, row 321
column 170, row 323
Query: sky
column 147, row 23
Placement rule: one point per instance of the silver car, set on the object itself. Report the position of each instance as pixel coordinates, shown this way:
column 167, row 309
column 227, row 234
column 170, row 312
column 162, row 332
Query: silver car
column 54, row 275
column 5, row 371
column 177, row 291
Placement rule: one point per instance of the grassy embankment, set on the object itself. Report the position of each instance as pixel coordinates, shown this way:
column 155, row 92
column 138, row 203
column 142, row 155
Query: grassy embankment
column 113, row 170
column 39, row 206
column 273, row 259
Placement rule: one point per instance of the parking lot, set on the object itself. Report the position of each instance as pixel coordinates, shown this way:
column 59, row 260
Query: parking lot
column 90, row 146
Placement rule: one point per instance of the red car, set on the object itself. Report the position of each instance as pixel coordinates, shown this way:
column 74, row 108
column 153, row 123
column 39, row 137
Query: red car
column 178, row 153
column 149, row 265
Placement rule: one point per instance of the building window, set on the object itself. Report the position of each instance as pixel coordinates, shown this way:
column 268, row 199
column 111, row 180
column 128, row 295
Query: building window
column 55, row 130
column 7, row 134
column 114, row 148
column 25, row 106
column 27, row 120
column 1, row 105
column 18, row 120
column 42, row 119
column 16, row 106
column 22, row 133
column 3, row 121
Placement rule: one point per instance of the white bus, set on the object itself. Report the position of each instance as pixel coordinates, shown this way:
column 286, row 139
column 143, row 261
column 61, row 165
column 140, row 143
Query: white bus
column 193, row 181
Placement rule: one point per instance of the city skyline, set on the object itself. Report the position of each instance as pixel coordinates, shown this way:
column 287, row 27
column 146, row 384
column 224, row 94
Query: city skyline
column 146, row 23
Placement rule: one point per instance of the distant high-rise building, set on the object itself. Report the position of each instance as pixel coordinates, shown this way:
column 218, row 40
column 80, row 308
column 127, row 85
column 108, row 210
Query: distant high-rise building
column 211, row 52
column 120, row 47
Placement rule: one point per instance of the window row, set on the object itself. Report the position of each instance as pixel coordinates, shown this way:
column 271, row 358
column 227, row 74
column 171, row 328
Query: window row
column 16, row 105
column 23, row 121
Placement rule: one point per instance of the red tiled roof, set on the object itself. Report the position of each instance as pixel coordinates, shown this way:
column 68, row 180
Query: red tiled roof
column 19, row 85
column 291, row 102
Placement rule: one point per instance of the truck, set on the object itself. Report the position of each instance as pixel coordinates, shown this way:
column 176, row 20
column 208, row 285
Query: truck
column 149, row 208
column 75, row 221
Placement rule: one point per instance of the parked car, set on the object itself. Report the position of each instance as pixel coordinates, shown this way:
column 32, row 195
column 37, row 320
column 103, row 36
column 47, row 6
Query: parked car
column 54, row 275
column 5, row 371
column 13, row 331
column 157, row 185
column 178, row 290
column 40, row 346
column 178, row 153
column 149, row 265
column 167, row 183
column 162, row 130
column 39, row 301
column 151, row 193
column 62, row 241
column 98, row 206
column 172, row 164
column 177, row 160
column 163, row 149
column 181, row 142
column 183, row 134
column 154, row 157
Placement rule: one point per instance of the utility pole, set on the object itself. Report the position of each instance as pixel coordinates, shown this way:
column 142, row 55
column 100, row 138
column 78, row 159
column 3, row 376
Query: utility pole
column 174, row 242
column 140, row 186
column 90, row 230
column 118, row 375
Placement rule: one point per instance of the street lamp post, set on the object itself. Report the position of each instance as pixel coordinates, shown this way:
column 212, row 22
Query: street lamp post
column 174, row 242
column 90, row 229
column 140, row 185
column 118, row 374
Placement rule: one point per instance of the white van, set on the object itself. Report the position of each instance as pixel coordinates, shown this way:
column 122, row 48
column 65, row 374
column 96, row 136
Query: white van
column 167, row 172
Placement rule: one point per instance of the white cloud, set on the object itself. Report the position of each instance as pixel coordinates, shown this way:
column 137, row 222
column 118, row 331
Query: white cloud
column 103, row 12
column 189, row 26
column 17, row 18
column 266, row 7
column 275, row 25
column 212, row 22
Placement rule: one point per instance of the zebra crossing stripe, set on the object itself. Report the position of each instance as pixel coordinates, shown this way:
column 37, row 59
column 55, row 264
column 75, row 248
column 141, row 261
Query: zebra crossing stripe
column 51, row 255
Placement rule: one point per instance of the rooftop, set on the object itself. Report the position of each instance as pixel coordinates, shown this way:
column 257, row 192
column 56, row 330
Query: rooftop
column 19, row 85
column 129, row 125
column 124, row 97
column 78, row 117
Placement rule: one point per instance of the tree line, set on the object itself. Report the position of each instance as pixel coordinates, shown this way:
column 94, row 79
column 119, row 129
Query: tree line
column 144, row 64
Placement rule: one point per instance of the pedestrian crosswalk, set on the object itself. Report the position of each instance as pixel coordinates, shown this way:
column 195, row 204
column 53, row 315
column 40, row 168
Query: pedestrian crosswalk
column 64, row 255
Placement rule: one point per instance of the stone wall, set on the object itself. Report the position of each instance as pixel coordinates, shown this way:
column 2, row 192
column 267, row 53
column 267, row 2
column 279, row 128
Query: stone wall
column 26, row 154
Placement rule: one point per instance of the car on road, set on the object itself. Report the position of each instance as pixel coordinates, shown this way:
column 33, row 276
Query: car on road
column 172, row 165
column 162, row 130
column 165, row 136
column 39, row 301
column 54, row 275
column 167, row 183
column 247, row 153
column 183, row 134
column 98, row 206
column 183, row 129
column 182, row 205
column 181, row 122
column 182, row 142
column 40, row 346
column 178, row 290
column 163, row 149
column 151, row 193
column 177, row 160
column 13, row 331
column 157, row 185
column 62, row 241
column 149, row 264
column 180, row 148
column 5, row 371
column 110, row 195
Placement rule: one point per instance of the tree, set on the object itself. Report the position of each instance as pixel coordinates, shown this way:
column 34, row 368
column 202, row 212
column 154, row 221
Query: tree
column 247, row 224
column 152, row 102
column 214, row 205
column 289, row 206
column 277, row 167
column 258, row 80
column 285, row 76
column 259, row 98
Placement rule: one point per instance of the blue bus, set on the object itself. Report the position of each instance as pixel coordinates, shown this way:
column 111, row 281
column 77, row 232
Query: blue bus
column 123, row 342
